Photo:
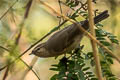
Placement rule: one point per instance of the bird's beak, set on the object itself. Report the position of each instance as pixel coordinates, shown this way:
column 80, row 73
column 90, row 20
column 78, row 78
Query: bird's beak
column 31, row 53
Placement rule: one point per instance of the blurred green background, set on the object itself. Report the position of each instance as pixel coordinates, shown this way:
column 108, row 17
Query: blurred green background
column 39, row 22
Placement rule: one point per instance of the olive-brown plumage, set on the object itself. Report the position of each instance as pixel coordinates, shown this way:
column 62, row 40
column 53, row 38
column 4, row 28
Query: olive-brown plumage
column 66, row 39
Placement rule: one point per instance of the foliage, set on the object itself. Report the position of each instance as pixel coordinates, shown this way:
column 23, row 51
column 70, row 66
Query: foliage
column 75, row 67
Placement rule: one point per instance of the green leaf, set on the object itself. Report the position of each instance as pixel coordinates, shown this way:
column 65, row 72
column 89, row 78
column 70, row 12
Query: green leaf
column 70, row 75
column 112, row 36
column 88, row 73
column 54, row 77
column 114, row 41
column 103, row 62
column 81, row 47
column 86, row 57
column 99, row 25
column 113, row 78
column 85, row 15
column 61, row 75
column 71, row 64
column 54, row 65
column 85, row 69
column 101, row 50
column 80, row 60
column 67, row 1
column 105, row 43
column 109, row 74
column 82, row 65
column 110, row 60
column 94, row 79
column 92, row 62
column 74, row 16
column 81, row 12
column 81, row 75
column 54, row 29
column 100, row 33
column 91, row 75
column 54, row 69
column 100, row 38
column 90, row 54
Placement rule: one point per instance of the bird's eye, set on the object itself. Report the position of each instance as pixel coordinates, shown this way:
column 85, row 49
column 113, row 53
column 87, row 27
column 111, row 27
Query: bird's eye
column 38, row 48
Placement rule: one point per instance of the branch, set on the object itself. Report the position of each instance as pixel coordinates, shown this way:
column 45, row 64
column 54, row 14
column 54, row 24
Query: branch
column 94, row 45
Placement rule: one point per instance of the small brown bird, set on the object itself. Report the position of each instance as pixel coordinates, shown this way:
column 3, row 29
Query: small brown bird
column 66, row 39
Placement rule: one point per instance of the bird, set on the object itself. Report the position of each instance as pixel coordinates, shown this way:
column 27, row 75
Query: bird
column 66, row 39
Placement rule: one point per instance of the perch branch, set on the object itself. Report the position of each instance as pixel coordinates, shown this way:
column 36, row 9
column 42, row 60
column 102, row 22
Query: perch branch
column 94, row 45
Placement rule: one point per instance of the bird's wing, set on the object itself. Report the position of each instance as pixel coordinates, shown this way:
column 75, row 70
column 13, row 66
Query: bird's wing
column 60, row 40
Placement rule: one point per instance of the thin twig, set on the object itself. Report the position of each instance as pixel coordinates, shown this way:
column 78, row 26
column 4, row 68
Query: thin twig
column 28, row 6
column 83, row 30
column 94, row 45
column 6, row 73
column 4, row 48
column 13, row 18
column 22, row 23
column 8, row 9
column 31, row 65
column 60, row 10
column 30, row 68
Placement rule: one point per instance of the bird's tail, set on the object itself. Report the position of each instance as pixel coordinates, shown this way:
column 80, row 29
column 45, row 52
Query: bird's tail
column 101, row 16
column 97, row 19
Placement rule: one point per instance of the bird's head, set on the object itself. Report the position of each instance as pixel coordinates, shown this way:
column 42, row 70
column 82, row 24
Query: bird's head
column 39, row 50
